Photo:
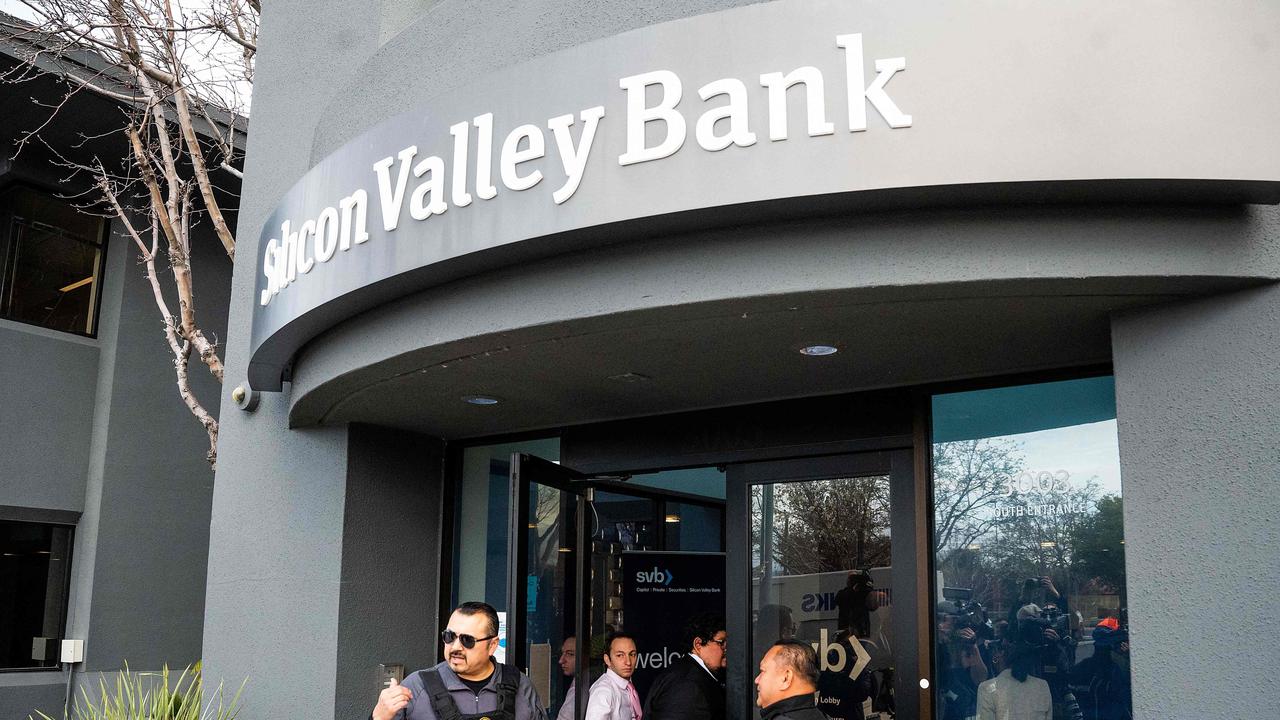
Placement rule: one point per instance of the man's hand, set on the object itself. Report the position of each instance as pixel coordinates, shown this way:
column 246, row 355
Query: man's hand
column 391, row 701
column 967, row 635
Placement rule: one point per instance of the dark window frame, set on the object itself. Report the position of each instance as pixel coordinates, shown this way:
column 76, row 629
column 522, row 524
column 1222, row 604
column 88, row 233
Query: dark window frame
column 103, row 245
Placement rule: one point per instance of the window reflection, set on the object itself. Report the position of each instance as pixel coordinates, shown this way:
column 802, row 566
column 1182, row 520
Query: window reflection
column 1029, row 551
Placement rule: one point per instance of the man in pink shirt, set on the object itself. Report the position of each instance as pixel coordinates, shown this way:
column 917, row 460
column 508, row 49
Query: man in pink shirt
column 613, row 696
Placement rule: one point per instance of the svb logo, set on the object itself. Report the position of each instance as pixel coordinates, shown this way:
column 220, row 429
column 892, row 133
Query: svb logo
column 656, row 576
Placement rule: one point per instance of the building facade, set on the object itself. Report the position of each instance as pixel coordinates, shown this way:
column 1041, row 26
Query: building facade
column 969, row 311
column 105, row 493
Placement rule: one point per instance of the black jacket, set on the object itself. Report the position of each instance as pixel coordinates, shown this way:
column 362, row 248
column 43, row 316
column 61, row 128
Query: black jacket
column 685, row 691
column 798, row 707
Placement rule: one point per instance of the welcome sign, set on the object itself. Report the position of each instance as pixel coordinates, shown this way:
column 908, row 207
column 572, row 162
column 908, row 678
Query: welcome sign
column 772, row 110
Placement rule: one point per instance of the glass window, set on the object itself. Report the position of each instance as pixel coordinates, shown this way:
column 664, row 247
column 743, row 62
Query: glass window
column 50, row 262
column 1029, row 552
column 34, row 565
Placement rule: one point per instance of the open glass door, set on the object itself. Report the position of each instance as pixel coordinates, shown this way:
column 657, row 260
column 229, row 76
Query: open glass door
column 585, row 559
column 543, row 618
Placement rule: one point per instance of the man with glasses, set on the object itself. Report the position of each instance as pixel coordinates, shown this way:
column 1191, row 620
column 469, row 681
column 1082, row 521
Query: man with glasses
column 468, row 685
column 690, row 689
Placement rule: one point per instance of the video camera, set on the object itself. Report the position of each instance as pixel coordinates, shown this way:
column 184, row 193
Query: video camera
column 1031, row 630
column 861, row 580
column 970, row 614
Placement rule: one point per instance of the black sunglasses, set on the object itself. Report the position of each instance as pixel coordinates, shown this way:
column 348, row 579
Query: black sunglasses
column 468, row 642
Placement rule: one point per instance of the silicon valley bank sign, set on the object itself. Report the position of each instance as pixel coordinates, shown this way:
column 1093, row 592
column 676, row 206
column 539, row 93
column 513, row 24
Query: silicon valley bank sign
column 423, row 187
column 795, row 107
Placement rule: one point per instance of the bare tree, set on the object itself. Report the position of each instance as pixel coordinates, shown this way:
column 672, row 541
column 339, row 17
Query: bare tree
column 180, row 78
column 970, row 479
column 829, row 525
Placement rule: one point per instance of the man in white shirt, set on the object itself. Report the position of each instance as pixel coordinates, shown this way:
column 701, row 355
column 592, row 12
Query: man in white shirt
column 613, row 696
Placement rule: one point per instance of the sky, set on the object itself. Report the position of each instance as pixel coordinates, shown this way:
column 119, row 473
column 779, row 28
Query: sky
column 1084, row 451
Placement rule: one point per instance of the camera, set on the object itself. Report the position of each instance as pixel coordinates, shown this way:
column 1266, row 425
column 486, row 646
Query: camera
column 861, row 580
column 1031, row 630
column 969, row 614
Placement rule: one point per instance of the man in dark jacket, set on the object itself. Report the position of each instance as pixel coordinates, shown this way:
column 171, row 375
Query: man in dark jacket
column 787, row 683
column 689, row 689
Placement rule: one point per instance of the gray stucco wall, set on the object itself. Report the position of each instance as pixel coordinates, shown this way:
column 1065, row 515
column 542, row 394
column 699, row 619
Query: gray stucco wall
column 155, row 490
column 391, row 561
column 46, row 410
column 1198, row 399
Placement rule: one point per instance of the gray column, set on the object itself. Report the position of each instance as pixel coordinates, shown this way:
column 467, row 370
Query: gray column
column 275, row 557
column 391, row 561
column 1198, row 395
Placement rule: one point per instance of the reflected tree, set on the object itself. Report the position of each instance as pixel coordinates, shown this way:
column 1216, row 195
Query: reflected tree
column 830, row 525
column 970, row 480
column 1098, row 541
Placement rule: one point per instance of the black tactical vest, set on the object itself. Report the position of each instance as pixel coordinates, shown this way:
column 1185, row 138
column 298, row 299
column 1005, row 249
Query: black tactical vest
column 447, row 709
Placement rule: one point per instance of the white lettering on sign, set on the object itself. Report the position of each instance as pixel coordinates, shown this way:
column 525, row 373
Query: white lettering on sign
column 431, row 185
column 657, row 660
column 826, row 649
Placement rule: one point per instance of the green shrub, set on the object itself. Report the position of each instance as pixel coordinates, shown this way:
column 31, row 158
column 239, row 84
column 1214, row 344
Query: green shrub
column 152, row 696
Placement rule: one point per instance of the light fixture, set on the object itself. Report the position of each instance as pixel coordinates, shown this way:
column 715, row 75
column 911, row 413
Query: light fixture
column 673, row 518
column 1048, row 544
column 924, row 683
column 533, row 526
column 975, row 547
column 480, row 399
column 819, row 350
column 565, row 550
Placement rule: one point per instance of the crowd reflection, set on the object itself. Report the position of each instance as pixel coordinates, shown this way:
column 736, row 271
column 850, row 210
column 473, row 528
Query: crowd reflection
column 1040, row 662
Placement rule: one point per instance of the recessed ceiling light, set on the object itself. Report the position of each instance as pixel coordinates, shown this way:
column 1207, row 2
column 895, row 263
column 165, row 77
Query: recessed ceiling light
column 673, row 518
column 480, row 399
column 819, row 350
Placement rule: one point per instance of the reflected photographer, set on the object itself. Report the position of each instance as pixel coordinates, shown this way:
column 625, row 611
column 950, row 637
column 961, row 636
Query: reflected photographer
column 1102, row 682
column 964, row 634
column 1046, row 634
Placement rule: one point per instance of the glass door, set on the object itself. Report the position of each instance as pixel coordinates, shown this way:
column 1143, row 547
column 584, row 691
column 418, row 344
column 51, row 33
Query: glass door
column 544, row 577
column 585, row 558
column 829, row 557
